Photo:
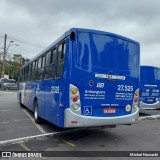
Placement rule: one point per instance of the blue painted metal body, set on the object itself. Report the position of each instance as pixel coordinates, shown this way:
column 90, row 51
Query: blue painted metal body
column 91, row 53
column 150, row 87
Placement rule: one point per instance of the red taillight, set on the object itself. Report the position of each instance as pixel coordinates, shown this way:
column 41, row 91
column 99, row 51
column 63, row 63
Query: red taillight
column 75, row 99
column 136, row 100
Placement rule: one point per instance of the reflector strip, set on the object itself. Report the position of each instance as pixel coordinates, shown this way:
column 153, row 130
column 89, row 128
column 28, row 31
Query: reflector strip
column 74, row 122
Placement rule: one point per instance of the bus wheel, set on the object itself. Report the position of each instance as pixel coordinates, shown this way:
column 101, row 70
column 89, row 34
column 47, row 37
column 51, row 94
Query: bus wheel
column 20, row 101
column 37, row 119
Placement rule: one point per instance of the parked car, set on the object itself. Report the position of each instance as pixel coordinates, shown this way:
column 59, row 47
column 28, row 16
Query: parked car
column 9, row 86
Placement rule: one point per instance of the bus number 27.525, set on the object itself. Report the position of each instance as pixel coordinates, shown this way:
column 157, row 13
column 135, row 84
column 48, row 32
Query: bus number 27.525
column 125, row 88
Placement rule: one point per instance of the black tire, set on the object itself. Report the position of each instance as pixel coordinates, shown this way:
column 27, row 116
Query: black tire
column 37, row 119
column 20, row 101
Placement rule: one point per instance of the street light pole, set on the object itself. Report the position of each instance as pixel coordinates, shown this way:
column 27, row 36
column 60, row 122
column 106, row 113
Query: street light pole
column 4, row 55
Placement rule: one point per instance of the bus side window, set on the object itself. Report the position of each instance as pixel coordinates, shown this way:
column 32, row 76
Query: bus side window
column 30, row 72
column 22, row 75
column 61, row 56
column 50, row 64
column 43, row 61
column 59, row 52
column 33, row 70
column 43, row 66
column 54, row 56
column 39, row 69
column 27, row 73
column 63, row 50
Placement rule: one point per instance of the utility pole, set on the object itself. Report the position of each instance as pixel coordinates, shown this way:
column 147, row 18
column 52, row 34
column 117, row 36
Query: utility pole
column 4, row 55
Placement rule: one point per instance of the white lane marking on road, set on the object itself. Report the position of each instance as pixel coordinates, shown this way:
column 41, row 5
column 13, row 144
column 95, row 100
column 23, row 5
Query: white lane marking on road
column 5, row 122
column 16, row 120
column 14, row 141
column 9, row 109
column 150, row 117
column 38, row 126
column 6, row 93
column 25, row 139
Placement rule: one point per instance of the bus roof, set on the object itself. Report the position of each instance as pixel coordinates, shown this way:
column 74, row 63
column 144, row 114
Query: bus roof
column 67, row 33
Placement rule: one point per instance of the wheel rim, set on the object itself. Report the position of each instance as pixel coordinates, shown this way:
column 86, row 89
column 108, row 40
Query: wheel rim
column 36, row 113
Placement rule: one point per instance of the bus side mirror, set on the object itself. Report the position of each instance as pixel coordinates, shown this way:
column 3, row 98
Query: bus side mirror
column 72, row 36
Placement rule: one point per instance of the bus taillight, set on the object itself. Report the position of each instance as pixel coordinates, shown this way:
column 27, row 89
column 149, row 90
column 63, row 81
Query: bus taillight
column 74, row 91
column 75, row 99
column 75, row 106
column 135, row 106
column 137, row 93
column 136, row 100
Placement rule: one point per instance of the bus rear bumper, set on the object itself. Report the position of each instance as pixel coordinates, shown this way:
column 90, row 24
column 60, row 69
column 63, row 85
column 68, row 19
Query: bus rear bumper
column 74, row 120
column 149, row 106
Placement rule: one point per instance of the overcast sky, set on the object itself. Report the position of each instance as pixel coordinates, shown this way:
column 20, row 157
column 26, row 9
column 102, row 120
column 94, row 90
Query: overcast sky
column 40, row 22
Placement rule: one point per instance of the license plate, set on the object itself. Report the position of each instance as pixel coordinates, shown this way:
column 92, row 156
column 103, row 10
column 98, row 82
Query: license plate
column 109, row 110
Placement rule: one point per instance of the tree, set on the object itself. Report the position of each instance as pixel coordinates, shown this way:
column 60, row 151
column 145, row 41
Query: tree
column 12, row 67
column 17, row 58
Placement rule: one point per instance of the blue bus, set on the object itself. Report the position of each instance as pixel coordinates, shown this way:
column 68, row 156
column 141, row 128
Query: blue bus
column 85, row 78
column 149, row 87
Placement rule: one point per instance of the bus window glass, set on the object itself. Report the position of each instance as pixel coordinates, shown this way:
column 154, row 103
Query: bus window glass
column 54, row 56
column 50, row 71
column 48, row 58
column 60, row 69
column 64, row 50
column 60, row 64
column 39, row 63
column 59, row 52
column 50, row 68
column 43, row 61
column 102, row 51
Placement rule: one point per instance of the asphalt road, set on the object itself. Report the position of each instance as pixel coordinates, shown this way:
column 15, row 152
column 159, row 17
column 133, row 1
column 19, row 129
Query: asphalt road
column 16, row 122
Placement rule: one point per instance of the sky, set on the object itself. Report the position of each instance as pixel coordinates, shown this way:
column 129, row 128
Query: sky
column 34, row 24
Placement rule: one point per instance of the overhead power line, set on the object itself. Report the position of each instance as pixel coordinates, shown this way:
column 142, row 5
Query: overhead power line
column 35, row 45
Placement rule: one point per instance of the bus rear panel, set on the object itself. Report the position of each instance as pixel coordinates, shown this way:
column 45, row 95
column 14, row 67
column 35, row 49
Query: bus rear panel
column 105, row 73
column 149, row 87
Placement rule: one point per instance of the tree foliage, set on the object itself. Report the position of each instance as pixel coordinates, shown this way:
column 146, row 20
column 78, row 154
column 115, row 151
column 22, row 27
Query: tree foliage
column 12, row 67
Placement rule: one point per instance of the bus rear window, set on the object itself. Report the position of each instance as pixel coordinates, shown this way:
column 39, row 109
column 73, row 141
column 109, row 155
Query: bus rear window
column 107, row 52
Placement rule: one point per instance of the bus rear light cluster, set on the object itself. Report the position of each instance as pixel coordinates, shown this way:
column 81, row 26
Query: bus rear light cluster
column 75, row 99
column 135, row 104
